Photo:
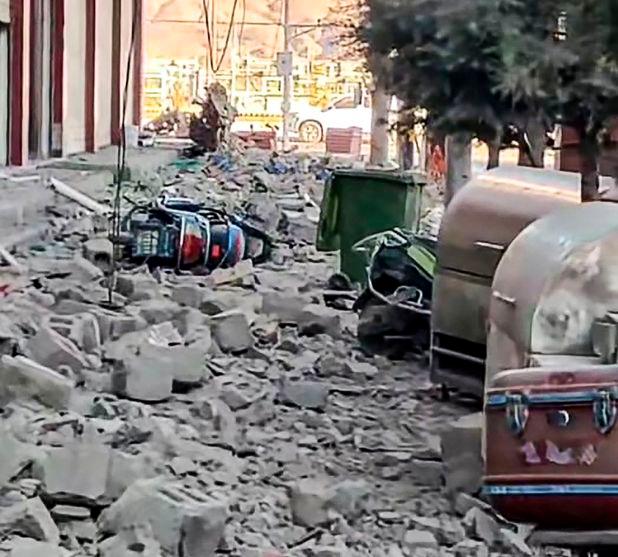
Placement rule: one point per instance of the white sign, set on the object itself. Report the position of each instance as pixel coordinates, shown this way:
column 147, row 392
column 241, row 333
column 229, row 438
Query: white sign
column 284, row 64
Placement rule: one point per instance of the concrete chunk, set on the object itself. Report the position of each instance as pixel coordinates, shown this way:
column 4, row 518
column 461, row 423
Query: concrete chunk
column 98, row 251
column 317, row 319
column 461, row 455
column 231, row 332
column 147, row 376
column 189, row 295
column 30, row 519
column 82, row 329
column 22, row 547
column 24, row 379
column 51, row 349
column 305, row 394
column 183, row 521
column 15, row 456
column 133, row 541
column 309, row 503
column 415, row 540
column 158, row 311
column 77, row 473
column 285, row 307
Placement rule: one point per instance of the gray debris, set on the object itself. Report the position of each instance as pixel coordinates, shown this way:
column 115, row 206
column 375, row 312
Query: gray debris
column 305, row 394
column 82, row 329
column 158, row 311
column 15, row 456
column 98, row 251
column 317, row 319
column 514, row 544
column 76, row 474
column 132, row 541
column 182, row 466
column 138, row 286
column 233, row 398
column 147, row 376
column 415, row 540
column 190, row 363
column 470, row 548
column 461, row 454
column 51, row 349
column 23, row 547
column 481, row 526
column 69, row 513
column 183, row 521
column 285, row 307
column 30, row 519
column 426, row 472
column 24, row 379
column 231, row 332
column 190, row 295
column 309, row 500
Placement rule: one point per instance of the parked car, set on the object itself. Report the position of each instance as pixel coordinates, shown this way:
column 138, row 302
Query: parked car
column 345, row 112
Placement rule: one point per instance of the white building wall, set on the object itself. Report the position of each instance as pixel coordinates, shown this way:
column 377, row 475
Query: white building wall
column 103, row 73
column 74, row 110
column 5, row 12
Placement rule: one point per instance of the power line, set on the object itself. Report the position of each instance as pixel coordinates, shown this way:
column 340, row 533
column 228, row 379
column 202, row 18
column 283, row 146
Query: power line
column 227, row 38
column 210, row 57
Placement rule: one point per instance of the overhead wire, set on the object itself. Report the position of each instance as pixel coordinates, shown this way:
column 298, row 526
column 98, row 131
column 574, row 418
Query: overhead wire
column 227, row 37
column 216, row 67
column 210, row 59
column 121, row 156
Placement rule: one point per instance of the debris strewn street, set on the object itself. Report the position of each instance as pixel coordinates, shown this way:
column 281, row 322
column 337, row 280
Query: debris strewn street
column 229, row 414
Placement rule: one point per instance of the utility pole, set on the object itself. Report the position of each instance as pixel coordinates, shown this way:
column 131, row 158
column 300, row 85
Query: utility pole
column 213, row 33
column 287, row 73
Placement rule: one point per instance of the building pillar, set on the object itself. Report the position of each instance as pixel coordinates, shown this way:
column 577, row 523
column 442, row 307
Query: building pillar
column 16, row 111
column 89, row 72
column 57, row 76
column 115, row 77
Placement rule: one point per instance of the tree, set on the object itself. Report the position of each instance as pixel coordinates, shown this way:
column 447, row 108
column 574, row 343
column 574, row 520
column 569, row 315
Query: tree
column 446, row 58
column 570, row 73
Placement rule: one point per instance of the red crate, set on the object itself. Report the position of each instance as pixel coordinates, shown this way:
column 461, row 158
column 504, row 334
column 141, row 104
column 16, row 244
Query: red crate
column 344, row 141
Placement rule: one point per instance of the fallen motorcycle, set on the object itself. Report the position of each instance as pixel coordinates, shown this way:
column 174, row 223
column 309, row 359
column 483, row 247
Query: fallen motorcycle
column 395, row 307
column 181, row 233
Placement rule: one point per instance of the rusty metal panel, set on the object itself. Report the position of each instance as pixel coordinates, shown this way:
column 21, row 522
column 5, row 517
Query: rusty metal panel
column 556, row 278
column 494, row 208
column 461, row 305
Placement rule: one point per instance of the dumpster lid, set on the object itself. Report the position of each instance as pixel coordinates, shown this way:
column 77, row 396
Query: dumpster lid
column 409, row 177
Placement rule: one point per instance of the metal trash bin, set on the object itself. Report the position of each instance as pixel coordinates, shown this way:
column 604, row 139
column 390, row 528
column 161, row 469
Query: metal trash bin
column 358, row 203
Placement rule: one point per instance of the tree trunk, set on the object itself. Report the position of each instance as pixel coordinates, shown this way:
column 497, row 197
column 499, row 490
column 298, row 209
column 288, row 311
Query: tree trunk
column 589, row 152
column 405, row 150
column 533, row 154
column 380, row 102
column 493, row 160
column 458, row 163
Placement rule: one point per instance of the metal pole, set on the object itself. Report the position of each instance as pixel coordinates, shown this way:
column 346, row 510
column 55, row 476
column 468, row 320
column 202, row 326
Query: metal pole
column 286, row 75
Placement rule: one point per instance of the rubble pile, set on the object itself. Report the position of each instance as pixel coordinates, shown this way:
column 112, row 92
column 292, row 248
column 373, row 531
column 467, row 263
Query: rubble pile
column 229, row 414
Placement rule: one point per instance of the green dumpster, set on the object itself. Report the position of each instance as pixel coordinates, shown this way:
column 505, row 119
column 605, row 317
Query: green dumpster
column 358, row 203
